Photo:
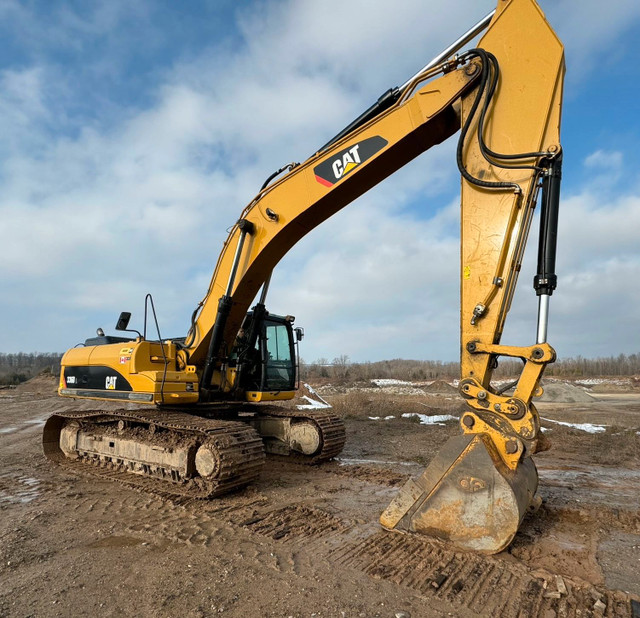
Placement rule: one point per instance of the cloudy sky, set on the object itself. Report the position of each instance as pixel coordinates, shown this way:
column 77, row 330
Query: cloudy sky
column 133, row 133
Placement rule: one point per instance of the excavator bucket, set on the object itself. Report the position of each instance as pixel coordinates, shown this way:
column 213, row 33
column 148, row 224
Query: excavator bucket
column 467, row 496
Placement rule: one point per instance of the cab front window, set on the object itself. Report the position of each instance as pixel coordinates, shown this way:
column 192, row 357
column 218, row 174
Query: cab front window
column 278, row 357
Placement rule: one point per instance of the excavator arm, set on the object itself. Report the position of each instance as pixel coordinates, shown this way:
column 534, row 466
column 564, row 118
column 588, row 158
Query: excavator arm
column 478, row 488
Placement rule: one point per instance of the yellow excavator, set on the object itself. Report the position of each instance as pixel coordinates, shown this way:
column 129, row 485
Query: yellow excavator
column 213, row 396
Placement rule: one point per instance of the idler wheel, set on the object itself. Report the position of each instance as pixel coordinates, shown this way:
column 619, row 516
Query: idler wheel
column 69, row 439
column 305, row 438
column 207, row 462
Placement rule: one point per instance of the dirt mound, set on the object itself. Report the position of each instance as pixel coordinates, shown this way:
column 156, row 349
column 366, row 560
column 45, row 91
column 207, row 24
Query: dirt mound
column 563, row 392
column 310, row 399
column 440, row 387
column 44, row 383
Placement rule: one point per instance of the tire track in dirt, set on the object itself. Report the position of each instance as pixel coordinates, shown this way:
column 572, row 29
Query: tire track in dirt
column 297, row 524
column 486, row 585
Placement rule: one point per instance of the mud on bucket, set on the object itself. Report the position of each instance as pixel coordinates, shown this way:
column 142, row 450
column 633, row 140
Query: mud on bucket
column 467, row 496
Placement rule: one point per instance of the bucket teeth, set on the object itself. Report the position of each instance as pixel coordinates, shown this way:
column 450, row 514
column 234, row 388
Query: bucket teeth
column 466, row 496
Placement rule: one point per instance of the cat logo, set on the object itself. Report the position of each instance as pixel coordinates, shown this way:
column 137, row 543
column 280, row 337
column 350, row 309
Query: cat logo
column 344, row 162
column 349, row 160
column 110, row 383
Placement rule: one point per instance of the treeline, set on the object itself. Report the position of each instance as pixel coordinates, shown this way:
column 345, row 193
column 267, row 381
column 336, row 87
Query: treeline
column 341, row 369
column 621, row 365
column 17, row 368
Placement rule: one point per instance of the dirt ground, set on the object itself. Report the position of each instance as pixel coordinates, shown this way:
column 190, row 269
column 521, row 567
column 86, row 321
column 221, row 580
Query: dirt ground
column 305, row 542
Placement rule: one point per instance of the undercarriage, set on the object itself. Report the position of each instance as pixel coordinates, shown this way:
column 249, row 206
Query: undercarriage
column 187, row 455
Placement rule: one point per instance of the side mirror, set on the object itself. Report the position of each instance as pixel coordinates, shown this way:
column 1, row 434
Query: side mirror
column 299, row 333
column 123, row 321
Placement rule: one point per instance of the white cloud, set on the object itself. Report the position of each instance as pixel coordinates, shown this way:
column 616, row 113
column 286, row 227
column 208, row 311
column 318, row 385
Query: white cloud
column 592, row 32
column 594, row 310
column 605, row 160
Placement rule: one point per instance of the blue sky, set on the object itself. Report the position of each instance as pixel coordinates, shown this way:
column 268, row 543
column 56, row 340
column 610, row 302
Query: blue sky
column 134, row 134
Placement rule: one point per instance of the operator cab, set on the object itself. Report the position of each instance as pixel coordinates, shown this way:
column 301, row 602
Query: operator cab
column 266, row 356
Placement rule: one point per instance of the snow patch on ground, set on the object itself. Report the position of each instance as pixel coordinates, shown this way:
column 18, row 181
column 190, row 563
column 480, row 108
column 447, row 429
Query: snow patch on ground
column 314, row 404
column 435, row 419
column 395, row 387
column 391, row 382
column 588, row 427
column 381, row 418
column 594, row 381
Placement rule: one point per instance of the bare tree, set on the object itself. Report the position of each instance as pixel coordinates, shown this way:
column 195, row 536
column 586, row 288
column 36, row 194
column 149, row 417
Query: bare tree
column 341, row 367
